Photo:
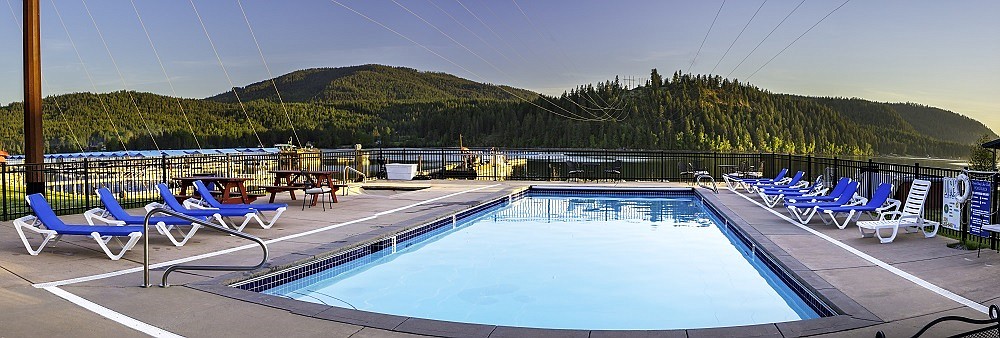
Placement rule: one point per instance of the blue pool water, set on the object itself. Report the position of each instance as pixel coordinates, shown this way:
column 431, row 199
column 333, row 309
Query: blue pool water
column 544, row 261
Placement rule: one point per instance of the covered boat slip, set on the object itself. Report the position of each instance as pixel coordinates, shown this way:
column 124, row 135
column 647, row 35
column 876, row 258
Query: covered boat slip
column 70, row 279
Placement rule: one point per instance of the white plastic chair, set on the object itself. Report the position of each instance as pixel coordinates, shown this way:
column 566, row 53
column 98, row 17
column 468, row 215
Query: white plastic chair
column 909, row 217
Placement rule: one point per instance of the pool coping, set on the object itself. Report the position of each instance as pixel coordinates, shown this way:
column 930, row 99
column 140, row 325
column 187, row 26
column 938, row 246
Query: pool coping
column 848, row 314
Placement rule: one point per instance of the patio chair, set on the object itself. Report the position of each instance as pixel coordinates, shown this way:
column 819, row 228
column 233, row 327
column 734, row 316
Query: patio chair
column 910, row 216
column 55, row 228
column 804, row 211
column 114, row 214
column 220, row 215
column 573, row 170
column 614, row 170
column 879, row 203
column 682, row 170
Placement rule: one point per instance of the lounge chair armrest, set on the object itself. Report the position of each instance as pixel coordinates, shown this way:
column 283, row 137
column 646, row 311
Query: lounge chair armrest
column 800, row 185
column 890, row 204
column 194, row 203
column 153, row 205
column 857, row 200
column 29, row 221
column 100, row 215
column 890, row 215
column 818, row 192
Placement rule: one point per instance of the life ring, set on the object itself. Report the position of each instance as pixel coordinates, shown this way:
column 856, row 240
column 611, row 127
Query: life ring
column 967, row 188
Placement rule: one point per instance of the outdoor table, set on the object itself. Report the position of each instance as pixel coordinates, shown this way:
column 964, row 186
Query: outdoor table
column 232, row 189
column 727, row 168
column 590, row 169
column 291, row 180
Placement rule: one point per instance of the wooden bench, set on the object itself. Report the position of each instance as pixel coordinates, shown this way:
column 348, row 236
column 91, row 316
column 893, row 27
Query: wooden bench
column 275, row 189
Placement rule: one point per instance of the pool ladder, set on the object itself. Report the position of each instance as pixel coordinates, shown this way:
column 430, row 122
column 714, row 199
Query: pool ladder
column 172, row 268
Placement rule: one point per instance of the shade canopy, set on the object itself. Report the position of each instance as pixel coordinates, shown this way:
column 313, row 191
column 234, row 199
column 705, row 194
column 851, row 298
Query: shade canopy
column 995, row 144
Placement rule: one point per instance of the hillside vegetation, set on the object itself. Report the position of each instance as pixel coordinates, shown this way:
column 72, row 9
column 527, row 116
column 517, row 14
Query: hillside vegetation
column 333, row 107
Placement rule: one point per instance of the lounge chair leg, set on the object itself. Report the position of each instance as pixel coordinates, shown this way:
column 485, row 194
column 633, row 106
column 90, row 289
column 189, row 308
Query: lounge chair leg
column 892, row 236
column 133, row 238
column 185, row 236
column 20, row 224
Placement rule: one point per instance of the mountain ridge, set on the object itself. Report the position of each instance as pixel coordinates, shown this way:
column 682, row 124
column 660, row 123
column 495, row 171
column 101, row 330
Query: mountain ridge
column 399, row 106
column 370, row 82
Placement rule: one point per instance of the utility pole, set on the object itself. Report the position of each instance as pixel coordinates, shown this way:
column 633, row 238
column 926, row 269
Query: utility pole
column 34, row 152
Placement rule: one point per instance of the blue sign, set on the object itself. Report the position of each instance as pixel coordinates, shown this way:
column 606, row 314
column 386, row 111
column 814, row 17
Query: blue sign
column 979, row 206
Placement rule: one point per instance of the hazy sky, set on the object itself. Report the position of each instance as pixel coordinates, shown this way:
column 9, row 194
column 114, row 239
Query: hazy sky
column 938, row 53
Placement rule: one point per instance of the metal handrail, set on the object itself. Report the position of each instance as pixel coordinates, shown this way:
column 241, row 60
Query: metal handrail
column 348, row 168
column 163, row 282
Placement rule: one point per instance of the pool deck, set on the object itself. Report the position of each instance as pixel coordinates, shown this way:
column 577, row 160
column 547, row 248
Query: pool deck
column 39, row 296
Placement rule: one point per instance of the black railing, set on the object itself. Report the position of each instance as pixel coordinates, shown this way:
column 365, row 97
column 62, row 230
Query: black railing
column 70, row 184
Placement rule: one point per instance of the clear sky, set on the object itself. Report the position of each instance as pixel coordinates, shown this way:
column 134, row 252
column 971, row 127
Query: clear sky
column 939, row 53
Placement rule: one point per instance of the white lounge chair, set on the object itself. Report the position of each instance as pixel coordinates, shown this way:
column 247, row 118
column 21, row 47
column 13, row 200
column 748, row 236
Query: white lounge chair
column 46, row 223
column 909, row 217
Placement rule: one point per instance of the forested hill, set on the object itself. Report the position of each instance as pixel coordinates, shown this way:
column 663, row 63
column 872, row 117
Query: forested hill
column 942, row 124
column 403, row 107
column 372, row 83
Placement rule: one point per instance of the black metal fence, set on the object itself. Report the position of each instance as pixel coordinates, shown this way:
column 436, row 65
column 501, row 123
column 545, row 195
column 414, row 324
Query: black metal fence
column 70, row 184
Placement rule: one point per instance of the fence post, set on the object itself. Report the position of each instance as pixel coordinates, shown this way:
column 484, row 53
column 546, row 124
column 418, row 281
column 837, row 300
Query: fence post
column 715, row 164
column 809, row 166
column 163, row 167
column 6, row 212
column 86, row 181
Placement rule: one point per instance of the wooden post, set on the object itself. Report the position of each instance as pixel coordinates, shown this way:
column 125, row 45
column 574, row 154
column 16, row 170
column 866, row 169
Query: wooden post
column 33, row 142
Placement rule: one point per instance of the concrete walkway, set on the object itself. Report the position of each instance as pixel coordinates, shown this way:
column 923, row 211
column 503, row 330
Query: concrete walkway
column 900, row 306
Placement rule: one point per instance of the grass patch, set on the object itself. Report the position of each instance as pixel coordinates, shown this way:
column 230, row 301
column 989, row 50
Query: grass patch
column 971, row 242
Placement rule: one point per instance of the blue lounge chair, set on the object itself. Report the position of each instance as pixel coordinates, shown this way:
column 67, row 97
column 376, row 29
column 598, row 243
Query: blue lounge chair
column 219, row 215
column 794, row 182
column 55, row 228
column 804, row 211
column 733, row 182
column 114, row 214
column 879, row 203
column 208, row 201
column 773, row 196
column 837, row 190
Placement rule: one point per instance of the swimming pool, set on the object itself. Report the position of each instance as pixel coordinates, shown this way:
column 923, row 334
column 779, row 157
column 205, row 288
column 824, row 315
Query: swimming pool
column 570, row 260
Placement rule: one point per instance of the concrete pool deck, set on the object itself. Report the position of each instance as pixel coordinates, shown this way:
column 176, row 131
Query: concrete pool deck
column 39, row 296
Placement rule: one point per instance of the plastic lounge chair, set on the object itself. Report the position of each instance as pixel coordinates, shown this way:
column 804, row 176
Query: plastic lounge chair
column 794, row 182
column 910, row 216
column 114, row 214
column 879, row 203
column 804, row 211
column 735, row 182
column 219, row 215
column 834, row 194
column 208, row 201
column 773, row 196
column 55, row 228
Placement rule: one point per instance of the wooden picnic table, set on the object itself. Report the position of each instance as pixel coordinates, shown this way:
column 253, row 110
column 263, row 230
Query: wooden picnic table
column 231, row 190
column 293, row 180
